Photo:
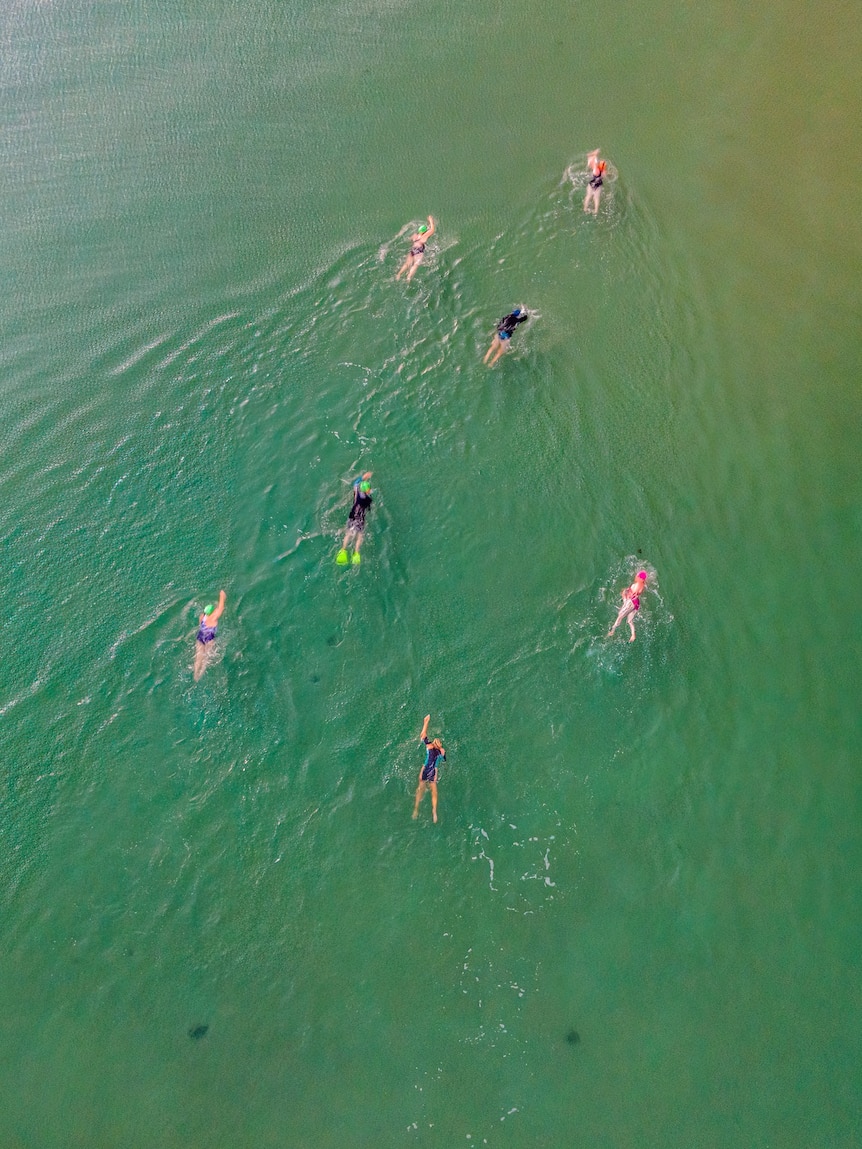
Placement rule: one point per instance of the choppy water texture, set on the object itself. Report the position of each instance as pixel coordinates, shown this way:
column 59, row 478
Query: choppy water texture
column 637, row 921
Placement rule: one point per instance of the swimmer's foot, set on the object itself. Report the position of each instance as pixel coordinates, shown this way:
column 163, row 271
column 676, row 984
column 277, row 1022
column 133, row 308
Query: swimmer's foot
column 632, row 638
column 435, row 815
column 356, row 560
column 415, row 815
column 341, row 557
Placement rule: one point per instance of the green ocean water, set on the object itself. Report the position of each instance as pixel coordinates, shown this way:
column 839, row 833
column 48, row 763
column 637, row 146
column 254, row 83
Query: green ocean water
column 637, row 922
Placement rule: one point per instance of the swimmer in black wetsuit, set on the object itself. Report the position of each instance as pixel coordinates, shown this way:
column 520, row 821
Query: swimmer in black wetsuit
column 417, row 251
column 428, row 774
column 207, row 627
column 503, row 334
column 594, row 187
column 362, row 500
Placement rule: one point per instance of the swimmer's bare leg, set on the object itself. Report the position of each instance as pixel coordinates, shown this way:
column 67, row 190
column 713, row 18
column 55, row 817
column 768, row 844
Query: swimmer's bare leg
column 491, row 349
column 404, row 266
column 348, row 534
column 417, row 259
column 433, row 786
column 200, row 660
column 357, row 541
column 501, row 347
column 631, row 621
column 623, row 612
column 420, row 790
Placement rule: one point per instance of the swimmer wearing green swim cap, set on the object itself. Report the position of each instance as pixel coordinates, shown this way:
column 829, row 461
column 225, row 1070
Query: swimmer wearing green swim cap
column 417, row 252
column 362, row 501
column 207, row 627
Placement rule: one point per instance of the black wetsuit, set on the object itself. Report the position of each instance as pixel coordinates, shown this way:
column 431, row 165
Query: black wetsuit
column 509, row 322
column 361, row 502
column 429, row 770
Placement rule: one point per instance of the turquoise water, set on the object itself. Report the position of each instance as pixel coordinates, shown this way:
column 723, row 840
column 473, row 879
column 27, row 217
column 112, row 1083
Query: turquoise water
column 637, row 921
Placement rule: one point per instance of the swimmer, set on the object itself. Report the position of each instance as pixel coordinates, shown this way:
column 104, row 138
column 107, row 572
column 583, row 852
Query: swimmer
column 207, row 627
column 356, row 519
column 594, row 187
column 503, row 334
column 631, row 604
column 417, row 252
column 428, row 774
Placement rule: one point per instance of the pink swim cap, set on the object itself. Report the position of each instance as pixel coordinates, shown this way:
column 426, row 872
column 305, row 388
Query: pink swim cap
column 643, row 575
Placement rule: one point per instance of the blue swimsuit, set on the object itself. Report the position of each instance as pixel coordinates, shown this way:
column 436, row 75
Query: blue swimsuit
column 429, row 770
column 206, row 633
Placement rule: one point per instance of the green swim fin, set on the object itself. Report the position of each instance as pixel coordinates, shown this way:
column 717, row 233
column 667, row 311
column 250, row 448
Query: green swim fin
column 341, row 557
column 356, row 560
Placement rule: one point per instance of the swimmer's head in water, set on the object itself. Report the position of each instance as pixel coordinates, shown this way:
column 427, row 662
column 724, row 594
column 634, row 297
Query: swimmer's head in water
column 422, row 229
column 365, row 486
column 642, row 575
column 209, row 608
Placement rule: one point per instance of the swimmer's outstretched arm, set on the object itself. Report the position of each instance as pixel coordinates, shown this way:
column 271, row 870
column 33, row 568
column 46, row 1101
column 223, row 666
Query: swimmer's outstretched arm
column 425, row 727
column 430, row 230
column 217, row 613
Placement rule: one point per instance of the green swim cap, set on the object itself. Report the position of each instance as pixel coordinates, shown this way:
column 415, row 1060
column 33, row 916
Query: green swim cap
column 364, row 486
column 209, row 609
column 423, row 229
